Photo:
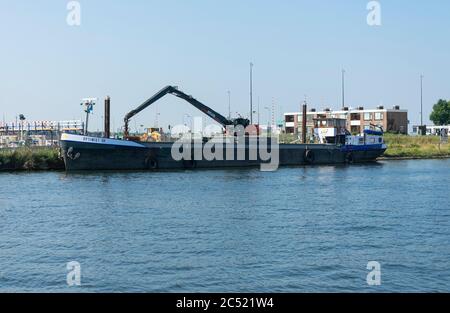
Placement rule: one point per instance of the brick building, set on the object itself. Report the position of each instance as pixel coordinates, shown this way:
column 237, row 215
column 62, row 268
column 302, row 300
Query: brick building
column 392, row 120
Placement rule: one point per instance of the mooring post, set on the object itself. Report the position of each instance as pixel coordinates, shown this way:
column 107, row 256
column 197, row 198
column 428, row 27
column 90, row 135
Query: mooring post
column 107, row 117
column 304, row 118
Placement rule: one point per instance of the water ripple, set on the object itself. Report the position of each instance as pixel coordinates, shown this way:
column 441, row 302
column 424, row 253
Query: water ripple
column 298, row 229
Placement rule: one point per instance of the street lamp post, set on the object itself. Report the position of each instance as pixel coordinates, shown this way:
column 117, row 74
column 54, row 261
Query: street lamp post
column 343, row 88
column 22, row 119
column 229, row 105
column 185, row 121
column 268, row 118
column 421, row 100
column 251, row 93
column 258, row 112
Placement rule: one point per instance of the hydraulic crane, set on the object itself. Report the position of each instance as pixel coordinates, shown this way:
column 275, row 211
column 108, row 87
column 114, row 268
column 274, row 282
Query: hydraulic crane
column 205, row 109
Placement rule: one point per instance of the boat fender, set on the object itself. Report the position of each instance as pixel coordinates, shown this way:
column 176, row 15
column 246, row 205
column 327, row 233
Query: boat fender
column 152, row 163
column 349, row 158
column 71, row 156
column 309, row 156
column 188, row 164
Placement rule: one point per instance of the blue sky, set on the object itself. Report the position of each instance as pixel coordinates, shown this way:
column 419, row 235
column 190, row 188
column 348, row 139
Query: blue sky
column 131, row 49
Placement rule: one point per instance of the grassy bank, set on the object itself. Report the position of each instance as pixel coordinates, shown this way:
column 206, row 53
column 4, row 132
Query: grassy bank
column 419, row 147
column 400, row 146
column 28, row 159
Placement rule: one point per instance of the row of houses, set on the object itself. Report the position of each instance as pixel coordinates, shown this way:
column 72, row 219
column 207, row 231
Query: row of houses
column 393, row 120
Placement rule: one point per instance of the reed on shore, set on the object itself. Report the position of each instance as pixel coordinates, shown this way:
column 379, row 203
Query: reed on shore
column 30, row 158
column 420, row 147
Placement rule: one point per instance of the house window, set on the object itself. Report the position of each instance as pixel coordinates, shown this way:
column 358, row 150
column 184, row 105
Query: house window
column 355, row 130
column 289, row 118
column 355, row 117
column 367, row 116
column 379, row 116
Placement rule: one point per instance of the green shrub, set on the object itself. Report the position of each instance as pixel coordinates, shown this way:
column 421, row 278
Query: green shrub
column 30, row 159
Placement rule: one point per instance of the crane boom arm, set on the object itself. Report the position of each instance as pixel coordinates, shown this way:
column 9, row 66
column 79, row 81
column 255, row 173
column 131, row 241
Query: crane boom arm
column 174, row 91
column 219, row 118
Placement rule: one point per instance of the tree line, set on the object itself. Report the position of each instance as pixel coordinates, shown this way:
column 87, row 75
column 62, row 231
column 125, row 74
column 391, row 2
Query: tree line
column 441, row 113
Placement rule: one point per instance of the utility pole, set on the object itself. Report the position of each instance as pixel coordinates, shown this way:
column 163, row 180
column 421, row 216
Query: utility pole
column 251, row 93
column 343, row 88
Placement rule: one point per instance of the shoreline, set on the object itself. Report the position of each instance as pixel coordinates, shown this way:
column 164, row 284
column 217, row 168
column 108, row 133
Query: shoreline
column 39, row 159
column 58, row 165
column 400, row 158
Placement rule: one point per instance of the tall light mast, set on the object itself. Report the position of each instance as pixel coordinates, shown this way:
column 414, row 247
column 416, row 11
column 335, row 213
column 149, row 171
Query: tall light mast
column 343, row 88
column 251, row 93
column 421, row 100
column 88, row 104
column 229, row 105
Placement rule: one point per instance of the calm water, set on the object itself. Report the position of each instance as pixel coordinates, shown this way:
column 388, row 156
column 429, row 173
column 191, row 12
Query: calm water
column 298, row 229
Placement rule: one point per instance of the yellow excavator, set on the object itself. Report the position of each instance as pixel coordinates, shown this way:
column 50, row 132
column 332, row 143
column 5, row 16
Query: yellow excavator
column 152, row 134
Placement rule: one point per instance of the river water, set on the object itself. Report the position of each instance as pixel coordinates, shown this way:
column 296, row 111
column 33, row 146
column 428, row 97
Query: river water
column 305, row 229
